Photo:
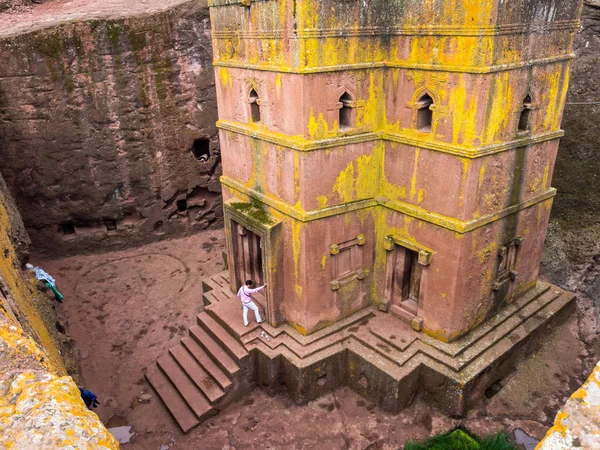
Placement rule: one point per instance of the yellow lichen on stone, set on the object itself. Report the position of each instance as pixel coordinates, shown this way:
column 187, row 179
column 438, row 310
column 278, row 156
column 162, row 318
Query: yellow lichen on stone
column 22, row 293
column 40, row 408
column 576, row 425
column 47, row 412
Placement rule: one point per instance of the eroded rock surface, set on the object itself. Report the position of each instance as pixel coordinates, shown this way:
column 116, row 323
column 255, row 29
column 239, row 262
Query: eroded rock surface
column 576, row 425
column 107, row 128
column 572, row 251
column 39, row 409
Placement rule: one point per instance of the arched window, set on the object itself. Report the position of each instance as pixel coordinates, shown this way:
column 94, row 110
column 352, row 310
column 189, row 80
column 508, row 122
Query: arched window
column 345, row 119
column 254, row 106
column 525, row 117
column 424, row 113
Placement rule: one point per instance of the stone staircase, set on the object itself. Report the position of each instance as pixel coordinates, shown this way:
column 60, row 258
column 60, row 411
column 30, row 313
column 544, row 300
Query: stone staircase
column 375, row 353
column 201, row 375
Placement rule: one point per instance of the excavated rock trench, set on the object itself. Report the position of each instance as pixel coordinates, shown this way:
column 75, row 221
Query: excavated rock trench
column 125, row 309
column 149, row 91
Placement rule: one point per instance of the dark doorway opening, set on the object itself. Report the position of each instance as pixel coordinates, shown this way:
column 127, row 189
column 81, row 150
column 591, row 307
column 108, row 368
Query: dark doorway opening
column 407, row 280
column 247, row 254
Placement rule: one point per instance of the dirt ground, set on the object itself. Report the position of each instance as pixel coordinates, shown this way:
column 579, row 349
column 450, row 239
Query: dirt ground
column 125, row 309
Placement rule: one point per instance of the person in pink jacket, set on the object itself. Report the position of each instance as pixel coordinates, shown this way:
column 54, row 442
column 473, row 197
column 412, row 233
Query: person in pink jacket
column 245, row 295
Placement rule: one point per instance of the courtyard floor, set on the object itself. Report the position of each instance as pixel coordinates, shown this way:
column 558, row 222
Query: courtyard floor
column 125, row 309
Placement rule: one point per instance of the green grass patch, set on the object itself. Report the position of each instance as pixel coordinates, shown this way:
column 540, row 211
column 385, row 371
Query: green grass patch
column 460, row 440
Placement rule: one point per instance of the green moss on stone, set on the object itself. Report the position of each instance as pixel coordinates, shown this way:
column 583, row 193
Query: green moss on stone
column 51, row 45
column 254, row 210
column 113, row 29
column 163, row 71
column 138, row 41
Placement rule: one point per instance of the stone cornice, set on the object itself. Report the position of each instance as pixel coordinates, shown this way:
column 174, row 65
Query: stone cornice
column 440, row 220
column 396, row 65
column 429, row 30
column 302, row 144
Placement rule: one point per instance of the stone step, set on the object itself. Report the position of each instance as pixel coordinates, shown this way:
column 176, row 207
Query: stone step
column 231, row 345
column 215, row 282
column 221, row 295
column 181, row 412
column 229, row 316
column 197, row 374
column 223, row 277
column 187, row 389
column 376, row 359
column 383, row 348
column 507, row 327
column 207, row 363
column 302, row 346
column 209, row 298
column 294, row 347
column 525, row 330
column 214, row 350
column 455, row 348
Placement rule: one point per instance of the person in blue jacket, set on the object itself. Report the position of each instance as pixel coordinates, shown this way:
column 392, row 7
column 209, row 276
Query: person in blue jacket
column 90, row 400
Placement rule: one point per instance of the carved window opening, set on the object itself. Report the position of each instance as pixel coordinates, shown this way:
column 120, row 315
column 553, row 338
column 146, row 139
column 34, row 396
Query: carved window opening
column 254, row 106
column 111, row 224
column 424, row 113
column 182, row 205
column 507, row 262
column 525, row 117
column 201, row 149
column 67, row 228
column 346, row 111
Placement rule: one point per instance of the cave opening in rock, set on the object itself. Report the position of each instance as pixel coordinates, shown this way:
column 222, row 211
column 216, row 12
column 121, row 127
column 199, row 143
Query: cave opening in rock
column 182, row 205
column 111, row 224
column 67, row 228
column 201, row 149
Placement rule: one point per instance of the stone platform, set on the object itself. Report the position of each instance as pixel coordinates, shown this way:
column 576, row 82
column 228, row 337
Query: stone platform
column 375, row 353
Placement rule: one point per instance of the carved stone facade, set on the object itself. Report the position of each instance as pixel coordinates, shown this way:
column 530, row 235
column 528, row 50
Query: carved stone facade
column 430, row 131
column 387, row 173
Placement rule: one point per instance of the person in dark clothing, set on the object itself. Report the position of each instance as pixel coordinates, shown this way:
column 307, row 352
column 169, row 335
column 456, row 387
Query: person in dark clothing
column 90, row 400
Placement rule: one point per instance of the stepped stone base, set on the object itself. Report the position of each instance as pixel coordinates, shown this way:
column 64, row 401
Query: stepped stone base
column 375, row 353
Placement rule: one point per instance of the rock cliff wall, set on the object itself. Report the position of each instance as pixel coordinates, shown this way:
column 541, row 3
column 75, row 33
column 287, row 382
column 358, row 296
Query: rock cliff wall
column 19, row 293
column 40, row 407
column 107, row 129
column 572, row 252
